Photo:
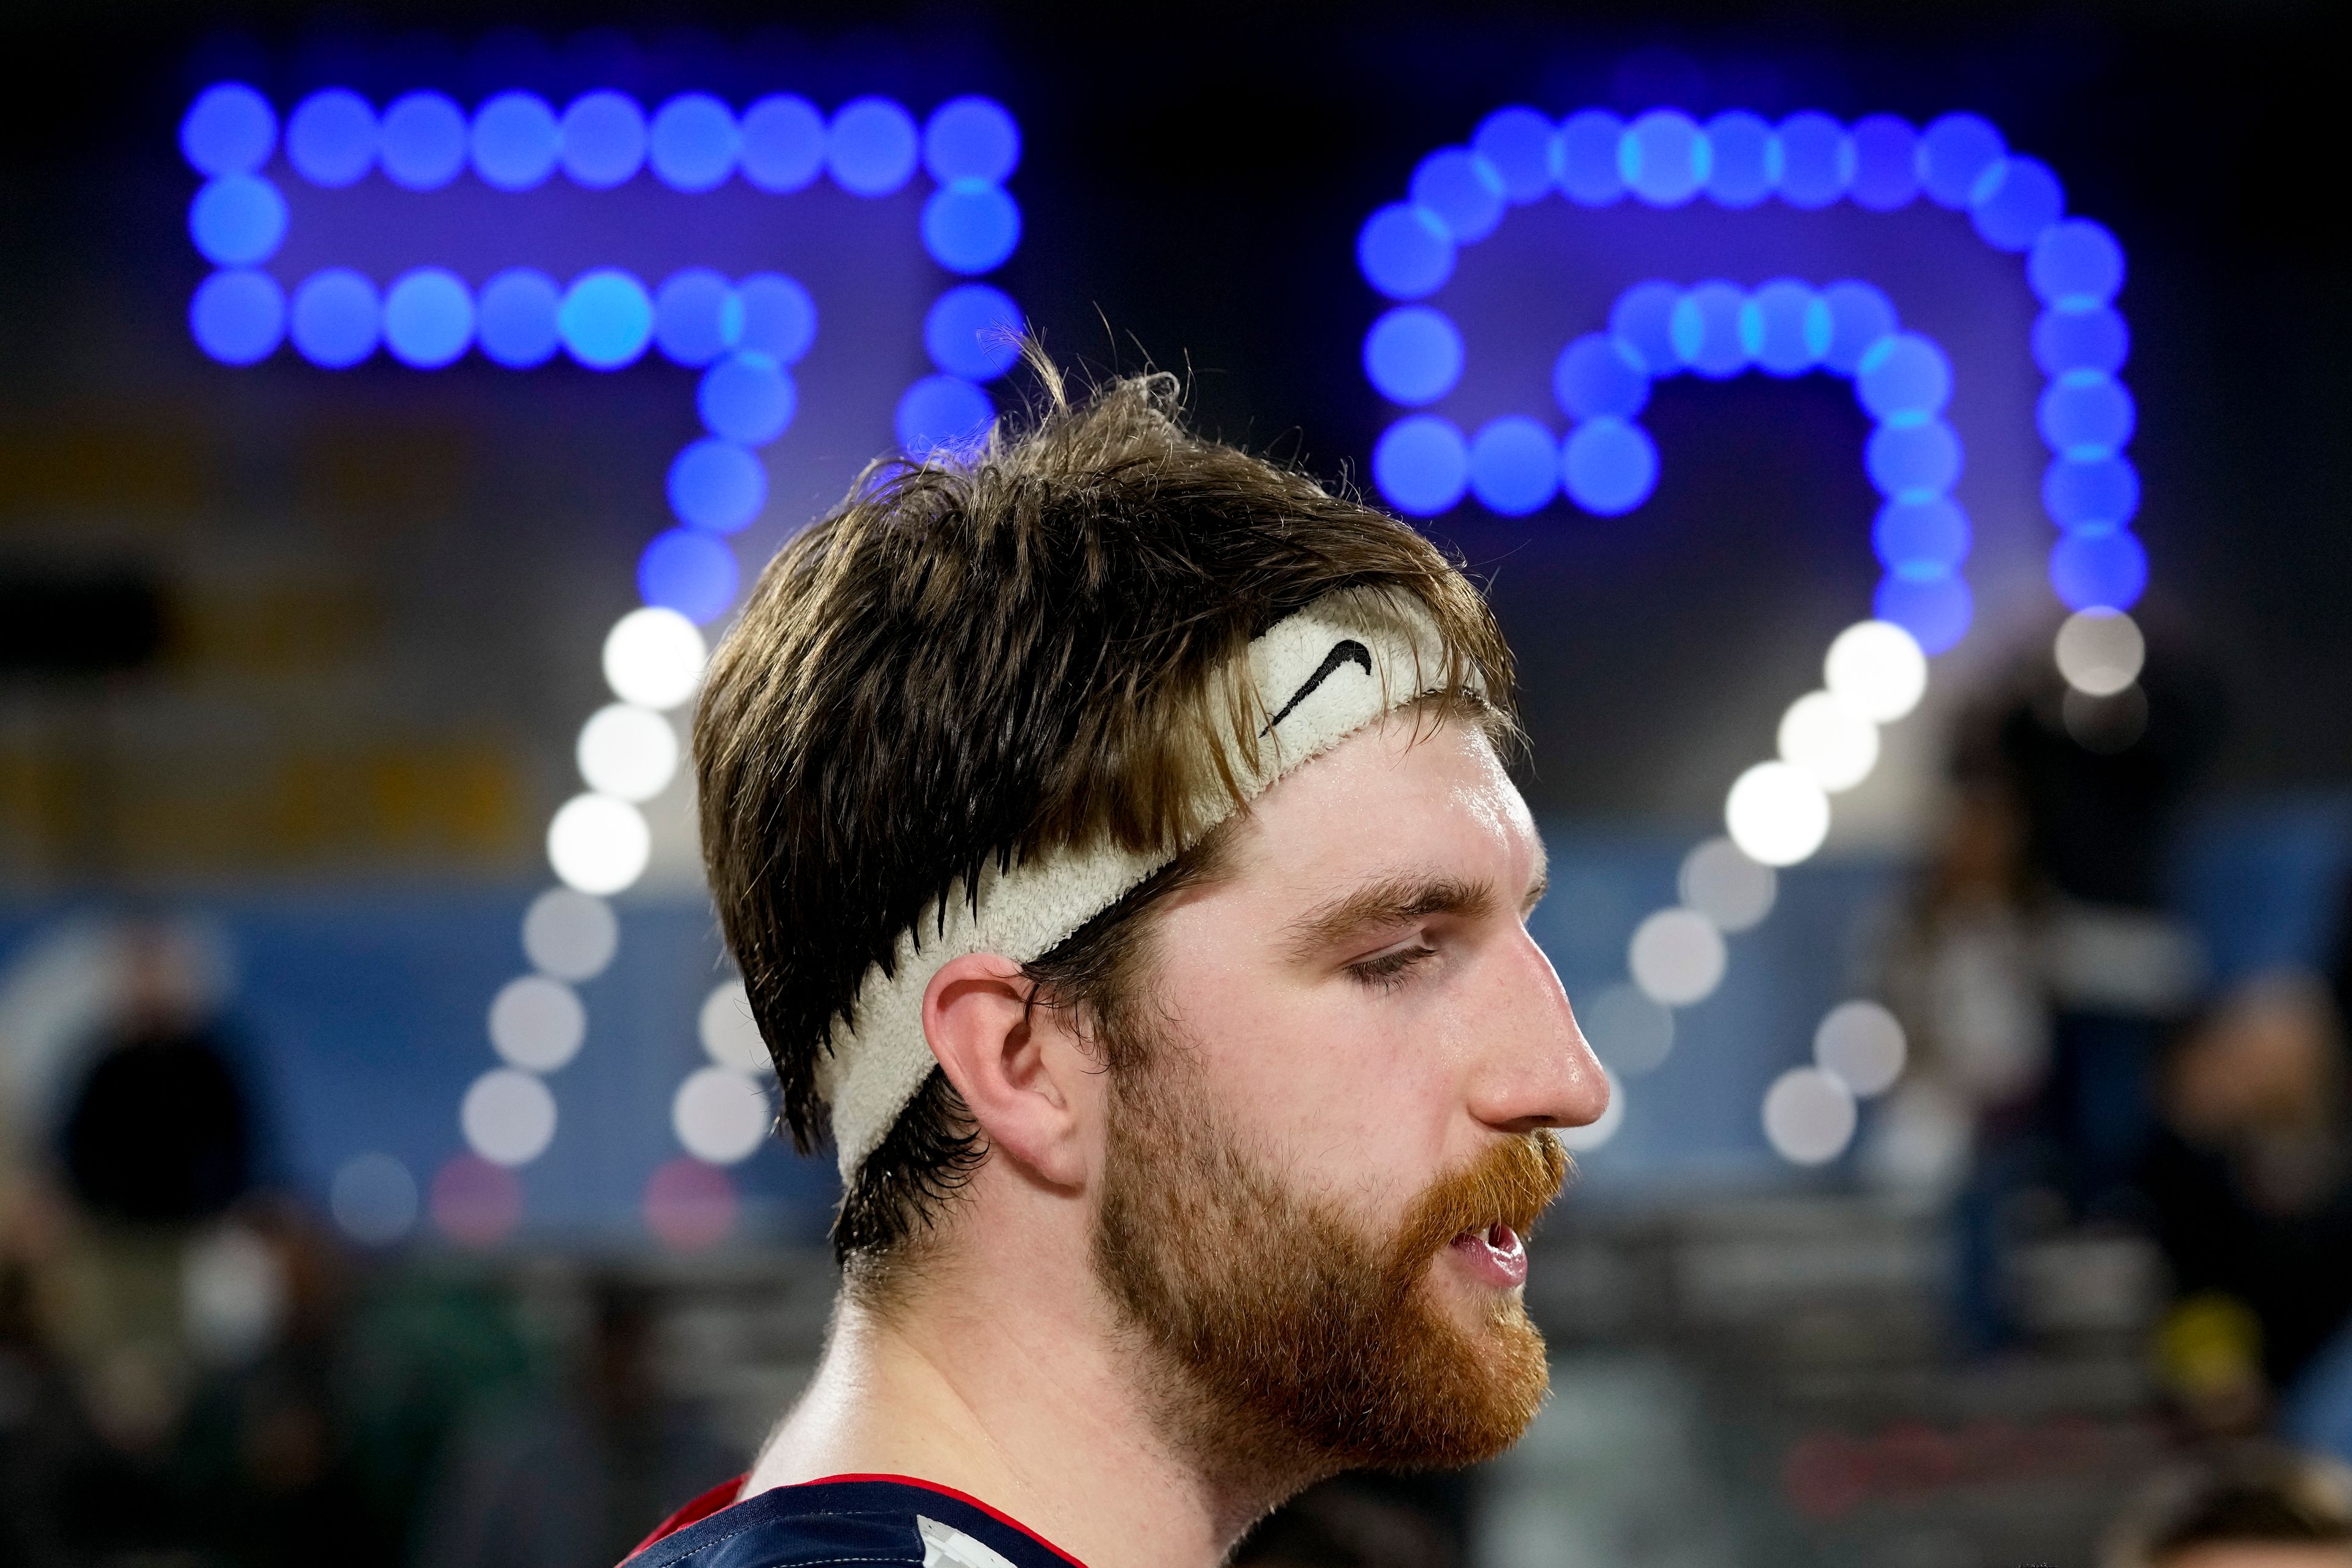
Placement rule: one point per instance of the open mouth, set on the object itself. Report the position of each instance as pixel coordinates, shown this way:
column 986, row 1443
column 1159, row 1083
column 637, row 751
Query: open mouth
column 1497, row 1254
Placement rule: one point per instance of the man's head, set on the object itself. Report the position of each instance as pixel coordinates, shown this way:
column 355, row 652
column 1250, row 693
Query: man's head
column 2259, row 1507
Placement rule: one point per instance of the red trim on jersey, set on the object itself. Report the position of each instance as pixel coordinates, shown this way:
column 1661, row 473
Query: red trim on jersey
column 701, row 1508
column 723, row 1496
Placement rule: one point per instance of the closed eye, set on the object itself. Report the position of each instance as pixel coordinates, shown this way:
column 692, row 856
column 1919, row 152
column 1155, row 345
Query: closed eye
column 1387, row 971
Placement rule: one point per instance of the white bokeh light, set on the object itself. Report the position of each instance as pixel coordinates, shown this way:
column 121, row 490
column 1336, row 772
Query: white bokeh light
column 2100, row 652
column 1828, row 741
column 536, row 1023
column 508, row 1117
column 1777, row 814
column 1629, row 1032
column 373, row 1199
column 729, row 1036
column 1808, row 1116
column 1722, row 883
column 654, row 658
column 720, row 1116
column 570, row 934
column 597, row 843
column 1875, row 668
column 1677, row 956
column 1861, row 1044
column 1594, row 1135
column 626, row 751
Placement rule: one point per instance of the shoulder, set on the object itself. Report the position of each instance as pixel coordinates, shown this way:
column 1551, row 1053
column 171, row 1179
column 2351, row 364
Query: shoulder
column 853, row 1522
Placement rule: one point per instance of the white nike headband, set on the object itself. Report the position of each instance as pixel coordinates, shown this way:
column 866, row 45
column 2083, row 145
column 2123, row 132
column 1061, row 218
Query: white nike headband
column 1320, row 676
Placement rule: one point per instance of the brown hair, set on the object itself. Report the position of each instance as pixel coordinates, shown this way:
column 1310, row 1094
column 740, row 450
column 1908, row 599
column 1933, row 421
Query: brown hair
column 2255, row 1493
column 984, row 657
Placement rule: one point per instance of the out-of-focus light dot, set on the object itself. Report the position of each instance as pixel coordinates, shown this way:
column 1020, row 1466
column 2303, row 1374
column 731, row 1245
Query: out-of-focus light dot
column 778, row 317
column 688, row 571
column 516, row 318
column 1816, row 159
column 626, row 751
column 2085, row 414
column 1421, row 465
column 508, row 1117
column 2100, row 652
column 1664, row 157
column 228, row 129
column 1746, row 161
column 782, row 145
column 2079, row 340
column 1590, row 175
column 942, row 413
column 428, row 318
column 1412, row 354
column 2098, row 572
column 336, row 319
column 421, row 140
column 689, row 1206
column 1809, row 1117
column 602, row 139
column 747, row 397
column 238, row 316
column 331, row 138
column 1913, row 461
column 1885, row 164
column 720, row 1115
column 1921, row 538
column 1629, row 1033
column 1513, row 466
column 1903, row 377
column 1405, row 251
column 1643, row 319
column 570, row 934
column 1704, row 329
column 730, row 1034
column 1954, row 153
column 373, row 1199
column 971, row 139
column 597, row 843
column 717, row 486
column 1877, row 669
column 1860, row 315
column 1518, row 143
column 2075, row 264
column 606, row 319
column 1596, row 1133
column 693, row 143
column 1609, row 467
column 1598, row 374
column 2105, row 725
column 514, row 141
column 1462, row 189
column 971, row 227
column 1861, row 1044
column 475, row 1203
column 1720, row 881
column 697, row 315
column 1833, row 744
column 2091, row 495
column 974, row 331
column 2015, row 203
column 1936, row 610
column 237, row 220
column 1777, row 814
column 1785, row 327
column 536, row 1023
column 871, row 147
column 654, row 657
column 1677, row 957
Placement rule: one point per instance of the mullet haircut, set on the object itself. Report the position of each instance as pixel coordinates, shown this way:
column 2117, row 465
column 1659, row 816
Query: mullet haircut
column 1041, row 645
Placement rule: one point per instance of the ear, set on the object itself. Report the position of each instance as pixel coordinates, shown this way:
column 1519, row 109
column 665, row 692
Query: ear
column 1022, row 1072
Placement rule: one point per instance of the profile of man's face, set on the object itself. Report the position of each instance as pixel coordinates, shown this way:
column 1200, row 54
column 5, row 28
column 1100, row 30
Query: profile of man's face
column 1317, row 1180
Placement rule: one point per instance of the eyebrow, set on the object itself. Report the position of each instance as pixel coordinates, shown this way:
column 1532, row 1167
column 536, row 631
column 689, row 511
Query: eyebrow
column 1390, row 902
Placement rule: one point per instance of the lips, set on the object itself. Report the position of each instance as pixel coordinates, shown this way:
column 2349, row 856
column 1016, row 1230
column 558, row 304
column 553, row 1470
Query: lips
column 1496, row 1255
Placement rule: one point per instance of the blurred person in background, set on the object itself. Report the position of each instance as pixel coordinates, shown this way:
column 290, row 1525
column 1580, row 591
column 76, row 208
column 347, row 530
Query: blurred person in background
column 2255, row 1506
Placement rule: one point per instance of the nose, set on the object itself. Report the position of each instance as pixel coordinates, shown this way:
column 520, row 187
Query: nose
column 1534, row 1067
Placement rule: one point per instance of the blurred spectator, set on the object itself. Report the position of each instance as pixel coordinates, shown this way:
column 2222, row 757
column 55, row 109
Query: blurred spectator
column 2253, row 1508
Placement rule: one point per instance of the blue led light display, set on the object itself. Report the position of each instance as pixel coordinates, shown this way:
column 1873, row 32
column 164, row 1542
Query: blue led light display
column 421, row 140
column 973, row 332
column 515, row 318
column 1517, row 143
column 1785, row 327
column 2075, row 265
column 1600, row 374
column 693, row 143
column 1423, row 465
column 697, row 315
column 1413, row 354
column 229, row 130
column 1590, row 173
column 1608, row 465
column 2070, row 339
column 1464, row 190
column 2091, row 495
column 1405, row 251
column 336, row 319
column 514, row 141
column 1704, row 328
column 1903, row 379
column 778, row 317
column 237, row 316
column 1513, row 466
column 428, row 318
column 1859, row 314
column 606, row 320
column 942, row 413
column 1885, row 164
column 1913, row 461
column 2085, row 414
column 331, row 138
column 237, row 220
column 602, row 139
column 1921, row 538
column 1816, row 159
column 1746, row 159
column 871, row 147
column 1643, row 321
column 689, row 571
column 2015, row 202
column 1664, row 158
column 781, row 143
column 747, row 397
column 1954, row 152
column 971, row 139
column 2099, row 570
column 1935, row 610
column 717, row 486
column 969, row 226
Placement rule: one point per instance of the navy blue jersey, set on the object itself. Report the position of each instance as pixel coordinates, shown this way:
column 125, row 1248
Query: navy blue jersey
column 879, row 1520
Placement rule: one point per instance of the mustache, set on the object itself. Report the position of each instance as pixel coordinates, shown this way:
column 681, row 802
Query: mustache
column 1511, row 1183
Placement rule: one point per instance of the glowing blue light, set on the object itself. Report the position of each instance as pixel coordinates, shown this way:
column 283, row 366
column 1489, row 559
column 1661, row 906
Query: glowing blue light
column 428, row 318
column 717, row 486
column 331, row 138
column 1746, row 161
column 1413, row 354
column 974, row 331
column 687, row 571
column 1903, row 379
column 606, row 320
column 1859, row 316
column 1935, row 610
column 1597, row 374
column 696, row 316
column 1609, row 467
column 1785, row 327
column 421, row 142
column 1816, row 159
column 515, row 318
column 513, row 142
column 237, row 220
column 2075, row 264
column 1921, row 538
column 2099, row 570
column 1664, row 157
column 971, row 139
column 969, row 226
column 2091, row 495
column 1589, row 172
column 1643, row 320
column 1885, row 164
column 1513, row 466
column 336, row 319
column 1421, row 465
column 2015, row 203
column 1954, row 153
column 693, row 143
column 1405, row 251
column 871, row 147
column 1705, row 328
column 603, row 135
column 2080, row 340
column 747, row 397
column 1464, row 190
column 237, row 317
column 2085, row 414
column 229, row 130
column 1912, row 462
column 1519, row 143
column 783, row 143
column 942, row 413
column 778, row 317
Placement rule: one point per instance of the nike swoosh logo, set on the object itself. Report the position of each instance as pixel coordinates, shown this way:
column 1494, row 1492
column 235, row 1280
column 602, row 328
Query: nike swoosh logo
column 1348, row 650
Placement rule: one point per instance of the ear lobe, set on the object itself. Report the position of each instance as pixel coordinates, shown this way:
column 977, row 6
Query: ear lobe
column 1010, row 1062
